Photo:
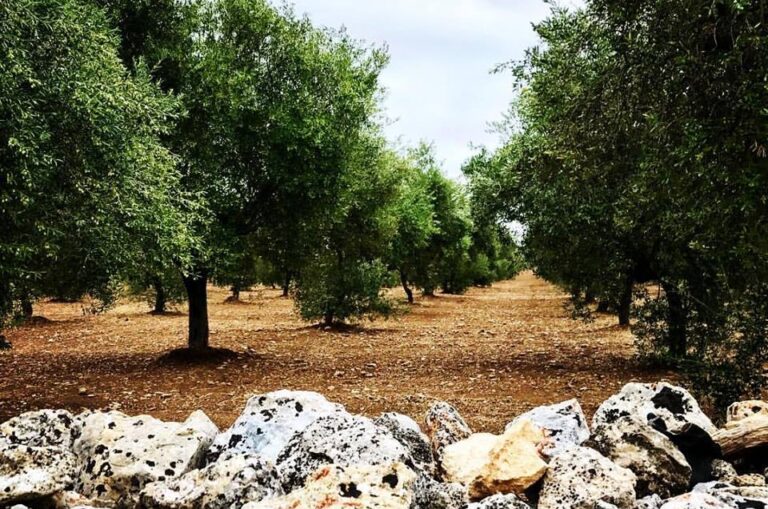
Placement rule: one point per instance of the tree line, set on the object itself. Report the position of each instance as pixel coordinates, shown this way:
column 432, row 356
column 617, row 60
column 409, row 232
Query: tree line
column 636, row 159
column 158, row 146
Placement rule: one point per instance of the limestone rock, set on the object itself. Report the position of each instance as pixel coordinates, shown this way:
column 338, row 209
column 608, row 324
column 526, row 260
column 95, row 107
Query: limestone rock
column 743, row 435
column 746, row 409
column 269, row 421
column 407, row 432
column 747, row 480
column 43, row 428
column 659, row 466
column 232, row 481
column 445, row 426
column 490, row 464
column 432, row 494
column 581, row 477
column 28, row 473
column 565, row 423
column 695, row 501
column 500, row 502
column 121, row 454
column 723, row 471
column 362, row 486
column 733, row 496
column 338, row 439
column 672, row 411
column 649, row 502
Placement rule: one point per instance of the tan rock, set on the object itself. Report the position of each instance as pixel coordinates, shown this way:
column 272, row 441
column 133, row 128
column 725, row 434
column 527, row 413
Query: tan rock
column 490, row 464
column 742, row 435
column 744, row 410
column 360, row 486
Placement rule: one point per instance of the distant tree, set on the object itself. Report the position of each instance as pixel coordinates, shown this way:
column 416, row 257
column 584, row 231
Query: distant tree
column 84, row 179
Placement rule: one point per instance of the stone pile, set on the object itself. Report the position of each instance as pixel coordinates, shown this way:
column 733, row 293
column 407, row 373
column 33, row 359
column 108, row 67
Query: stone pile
column 648, row 447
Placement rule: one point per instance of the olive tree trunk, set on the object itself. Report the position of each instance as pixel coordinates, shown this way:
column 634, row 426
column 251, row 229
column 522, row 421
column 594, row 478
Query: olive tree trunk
column 197, row 296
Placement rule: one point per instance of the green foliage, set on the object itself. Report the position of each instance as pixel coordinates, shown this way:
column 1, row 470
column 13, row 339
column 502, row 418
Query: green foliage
column 84, row 179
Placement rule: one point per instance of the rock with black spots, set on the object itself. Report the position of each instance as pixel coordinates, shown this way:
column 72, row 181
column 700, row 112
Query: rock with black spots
column 30, row 473
column 120, row 455
column 659, row 465
column 723, row 471
column 232, row 481
column 565, row 423
column 344, row 487
column 739, row 497
column 269, row 421
column 43, row 428
column 445, row 426
column 695, row 501
column 407, row 432
column 580, row 478
column 672, row 411
column 649, row 502
column 342, row 440
column 500, row 502
column 432, row 494
column 746, row 409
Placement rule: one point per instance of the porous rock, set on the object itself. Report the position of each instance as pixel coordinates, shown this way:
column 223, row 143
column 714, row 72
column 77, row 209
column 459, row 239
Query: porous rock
column 338, row 439
column 723, row 471
column 407, row 432
column 432, row 494
column 500, row 502
column 659, row 465
column 565, row 424
column 733, row 496
column 746, row 409
column 581, row 477
column 28, row 473
column 121, row 454
column 269, row 421
column 445, row 426
column 695, row 501
column 489, row 464
column 232, row 481
column 649, row 502
column 344, row 487
column 42, row 428
column 672, row 411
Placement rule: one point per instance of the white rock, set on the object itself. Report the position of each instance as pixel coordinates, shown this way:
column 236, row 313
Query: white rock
column 232, row 481
column 270, row 420
column 445, row 426
column 489, row 464
column 674, row 406
column 733, row 496
column 407, row 432
column 43, row 428
column 432, row 494
column 659, row 465
column 500, row 502
column 565, row 422
column 746, row 409
column 695, row 501
column 580, row 478
column 362, row 486
column 120, row 454
column 338, row 439
column 28, row 473
column 650, row 502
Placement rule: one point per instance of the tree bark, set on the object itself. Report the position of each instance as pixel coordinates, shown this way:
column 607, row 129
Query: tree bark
column 287, row 284
column 26, row 307
column 160, row 298
column 197, row 295
column 328, row 319
column 677, row 321
column 236, row 292
column 625, row 303
column 406, row 288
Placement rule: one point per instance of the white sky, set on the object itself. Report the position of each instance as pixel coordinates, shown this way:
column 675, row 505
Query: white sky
column 439, row 86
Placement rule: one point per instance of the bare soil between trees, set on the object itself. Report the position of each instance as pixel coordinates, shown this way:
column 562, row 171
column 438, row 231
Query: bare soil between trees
column 494, row 353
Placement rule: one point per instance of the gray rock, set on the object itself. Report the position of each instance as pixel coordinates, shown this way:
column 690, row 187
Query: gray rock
column 650, row 502
column 580, row 478
column 28, row 473
column 342, row 440
column 565, row 423
column 43, row 428
column 658, row 464
column 432, row 494
column 121, row 455
column 232, row 481
column 407, row 432
column 445, row 426
column 269, row 421
column 695, row 501
column 733, row 496
column 500, row 502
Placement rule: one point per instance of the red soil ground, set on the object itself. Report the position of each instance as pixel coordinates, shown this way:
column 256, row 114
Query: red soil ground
column 493, row 353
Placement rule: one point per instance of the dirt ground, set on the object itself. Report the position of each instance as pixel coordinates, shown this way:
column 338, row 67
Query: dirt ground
column 493, row 353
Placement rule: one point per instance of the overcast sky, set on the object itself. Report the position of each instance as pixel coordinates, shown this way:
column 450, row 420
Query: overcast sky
column 439, row 86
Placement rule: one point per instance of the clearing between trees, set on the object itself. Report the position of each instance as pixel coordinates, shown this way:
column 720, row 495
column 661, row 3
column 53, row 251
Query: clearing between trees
column 493, row 352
